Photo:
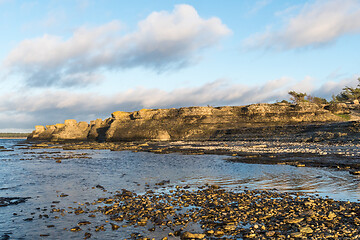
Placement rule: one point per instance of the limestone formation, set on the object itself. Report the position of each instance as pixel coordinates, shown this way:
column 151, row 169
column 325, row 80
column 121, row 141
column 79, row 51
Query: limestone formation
column 188, row 123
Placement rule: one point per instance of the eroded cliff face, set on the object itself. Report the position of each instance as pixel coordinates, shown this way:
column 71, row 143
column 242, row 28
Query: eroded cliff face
column 190, row 123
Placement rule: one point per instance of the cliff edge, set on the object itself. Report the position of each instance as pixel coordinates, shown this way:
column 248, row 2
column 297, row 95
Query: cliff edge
column 188, row 123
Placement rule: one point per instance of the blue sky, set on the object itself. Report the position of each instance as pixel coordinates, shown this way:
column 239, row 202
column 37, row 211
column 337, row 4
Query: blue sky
column 85, row 59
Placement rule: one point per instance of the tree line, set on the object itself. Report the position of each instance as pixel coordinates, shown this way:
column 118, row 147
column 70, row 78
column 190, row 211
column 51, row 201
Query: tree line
column 347, row 94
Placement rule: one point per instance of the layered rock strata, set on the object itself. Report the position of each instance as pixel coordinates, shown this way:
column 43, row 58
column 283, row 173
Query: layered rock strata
column 190, row 123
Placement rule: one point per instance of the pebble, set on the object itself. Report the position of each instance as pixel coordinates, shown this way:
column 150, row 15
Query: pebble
column 227, row 214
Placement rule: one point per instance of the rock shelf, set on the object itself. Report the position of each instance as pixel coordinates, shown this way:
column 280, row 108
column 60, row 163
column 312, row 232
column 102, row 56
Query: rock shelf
column 344, row 156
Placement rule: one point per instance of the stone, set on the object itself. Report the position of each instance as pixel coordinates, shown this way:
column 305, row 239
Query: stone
column 305, row 230
column 114, row 226
column 269, row 233
column 354, row 172
column 294, row 220
column 189, row 235
column 75, row 229
column 331, row 216
column 296, row 234
column 219, row 233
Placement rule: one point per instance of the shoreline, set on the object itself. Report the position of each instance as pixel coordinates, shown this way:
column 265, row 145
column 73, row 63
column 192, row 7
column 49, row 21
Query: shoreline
column 13, row 137
column 342, row 156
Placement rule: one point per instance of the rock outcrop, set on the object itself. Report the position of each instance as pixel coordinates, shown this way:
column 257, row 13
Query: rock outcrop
column 70, row 130
column 189, row 123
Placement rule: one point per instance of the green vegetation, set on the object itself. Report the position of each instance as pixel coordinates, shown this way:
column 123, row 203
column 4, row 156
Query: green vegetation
column 317, row 100
column 348, row 94
column 344, row 116
column 297, row 97
column 13, row 135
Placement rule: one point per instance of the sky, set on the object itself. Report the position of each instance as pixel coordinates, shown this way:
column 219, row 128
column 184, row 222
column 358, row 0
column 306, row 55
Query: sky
column 84, row 59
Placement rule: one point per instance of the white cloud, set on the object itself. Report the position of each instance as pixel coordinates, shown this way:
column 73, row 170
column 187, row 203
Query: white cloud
column 26, row 109
column 258, row 6
column 162, row 41
column 317, row 24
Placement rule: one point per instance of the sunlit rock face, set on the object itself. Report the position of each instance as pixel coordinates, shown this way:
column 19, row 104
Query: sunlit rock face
column 190, row 123
column 70, row 130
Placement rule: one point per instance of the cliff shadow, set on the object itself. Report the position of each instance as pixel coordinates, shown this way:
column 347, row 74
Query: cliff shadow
column 101, row 134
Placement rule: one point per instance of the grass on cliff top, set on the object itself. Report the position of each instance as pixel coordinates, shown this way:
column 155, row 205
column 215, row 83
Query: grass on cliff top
column 344, row 116
column 14, row 134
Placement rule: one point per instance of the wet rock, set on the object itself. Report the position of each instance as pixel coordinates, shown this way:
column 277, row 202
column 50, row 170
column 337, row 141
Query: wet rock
column 114, row 226
column 305, row 230
column 296, row 234
column 83, row 223
column 75, row 229
column 354, row 172
column 6, row 201
column 6, row 236
column 294, row 220
column 163, row 182
column 100, row 187
column 269, row 233
column 189, row 235
column 225, row 214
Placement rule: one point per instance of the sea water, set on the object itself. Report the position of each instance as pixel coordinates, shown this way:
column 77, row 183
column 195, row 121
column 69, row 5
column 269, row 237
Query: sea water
column 35, row 173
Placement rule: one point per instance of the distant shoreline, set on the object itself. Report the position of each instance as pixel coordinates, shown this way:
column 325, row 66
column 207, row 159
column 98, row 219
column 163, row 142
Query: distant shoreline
column 13, row 137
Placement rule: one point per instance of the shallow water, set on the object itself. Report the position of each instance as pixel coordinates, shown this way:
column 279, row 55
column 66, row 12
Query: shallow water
column 35, row 174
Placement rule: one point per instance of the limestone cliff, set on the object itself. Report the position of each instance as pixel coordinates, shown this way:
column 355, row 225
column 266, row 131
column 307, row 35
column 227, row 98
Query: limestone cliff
column 190, row 123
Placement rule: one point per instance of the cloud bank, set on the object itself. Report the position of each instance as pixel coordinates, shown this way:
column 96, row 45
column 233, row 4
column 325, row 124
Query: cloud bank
column 162, row 41
column 27, row 109
column 317, row 24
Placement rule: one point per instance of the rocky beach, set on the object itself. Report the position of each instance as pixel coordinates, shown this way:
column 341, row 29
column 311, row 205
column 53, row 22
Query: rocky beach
column 220, row 214
column 287, row 136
